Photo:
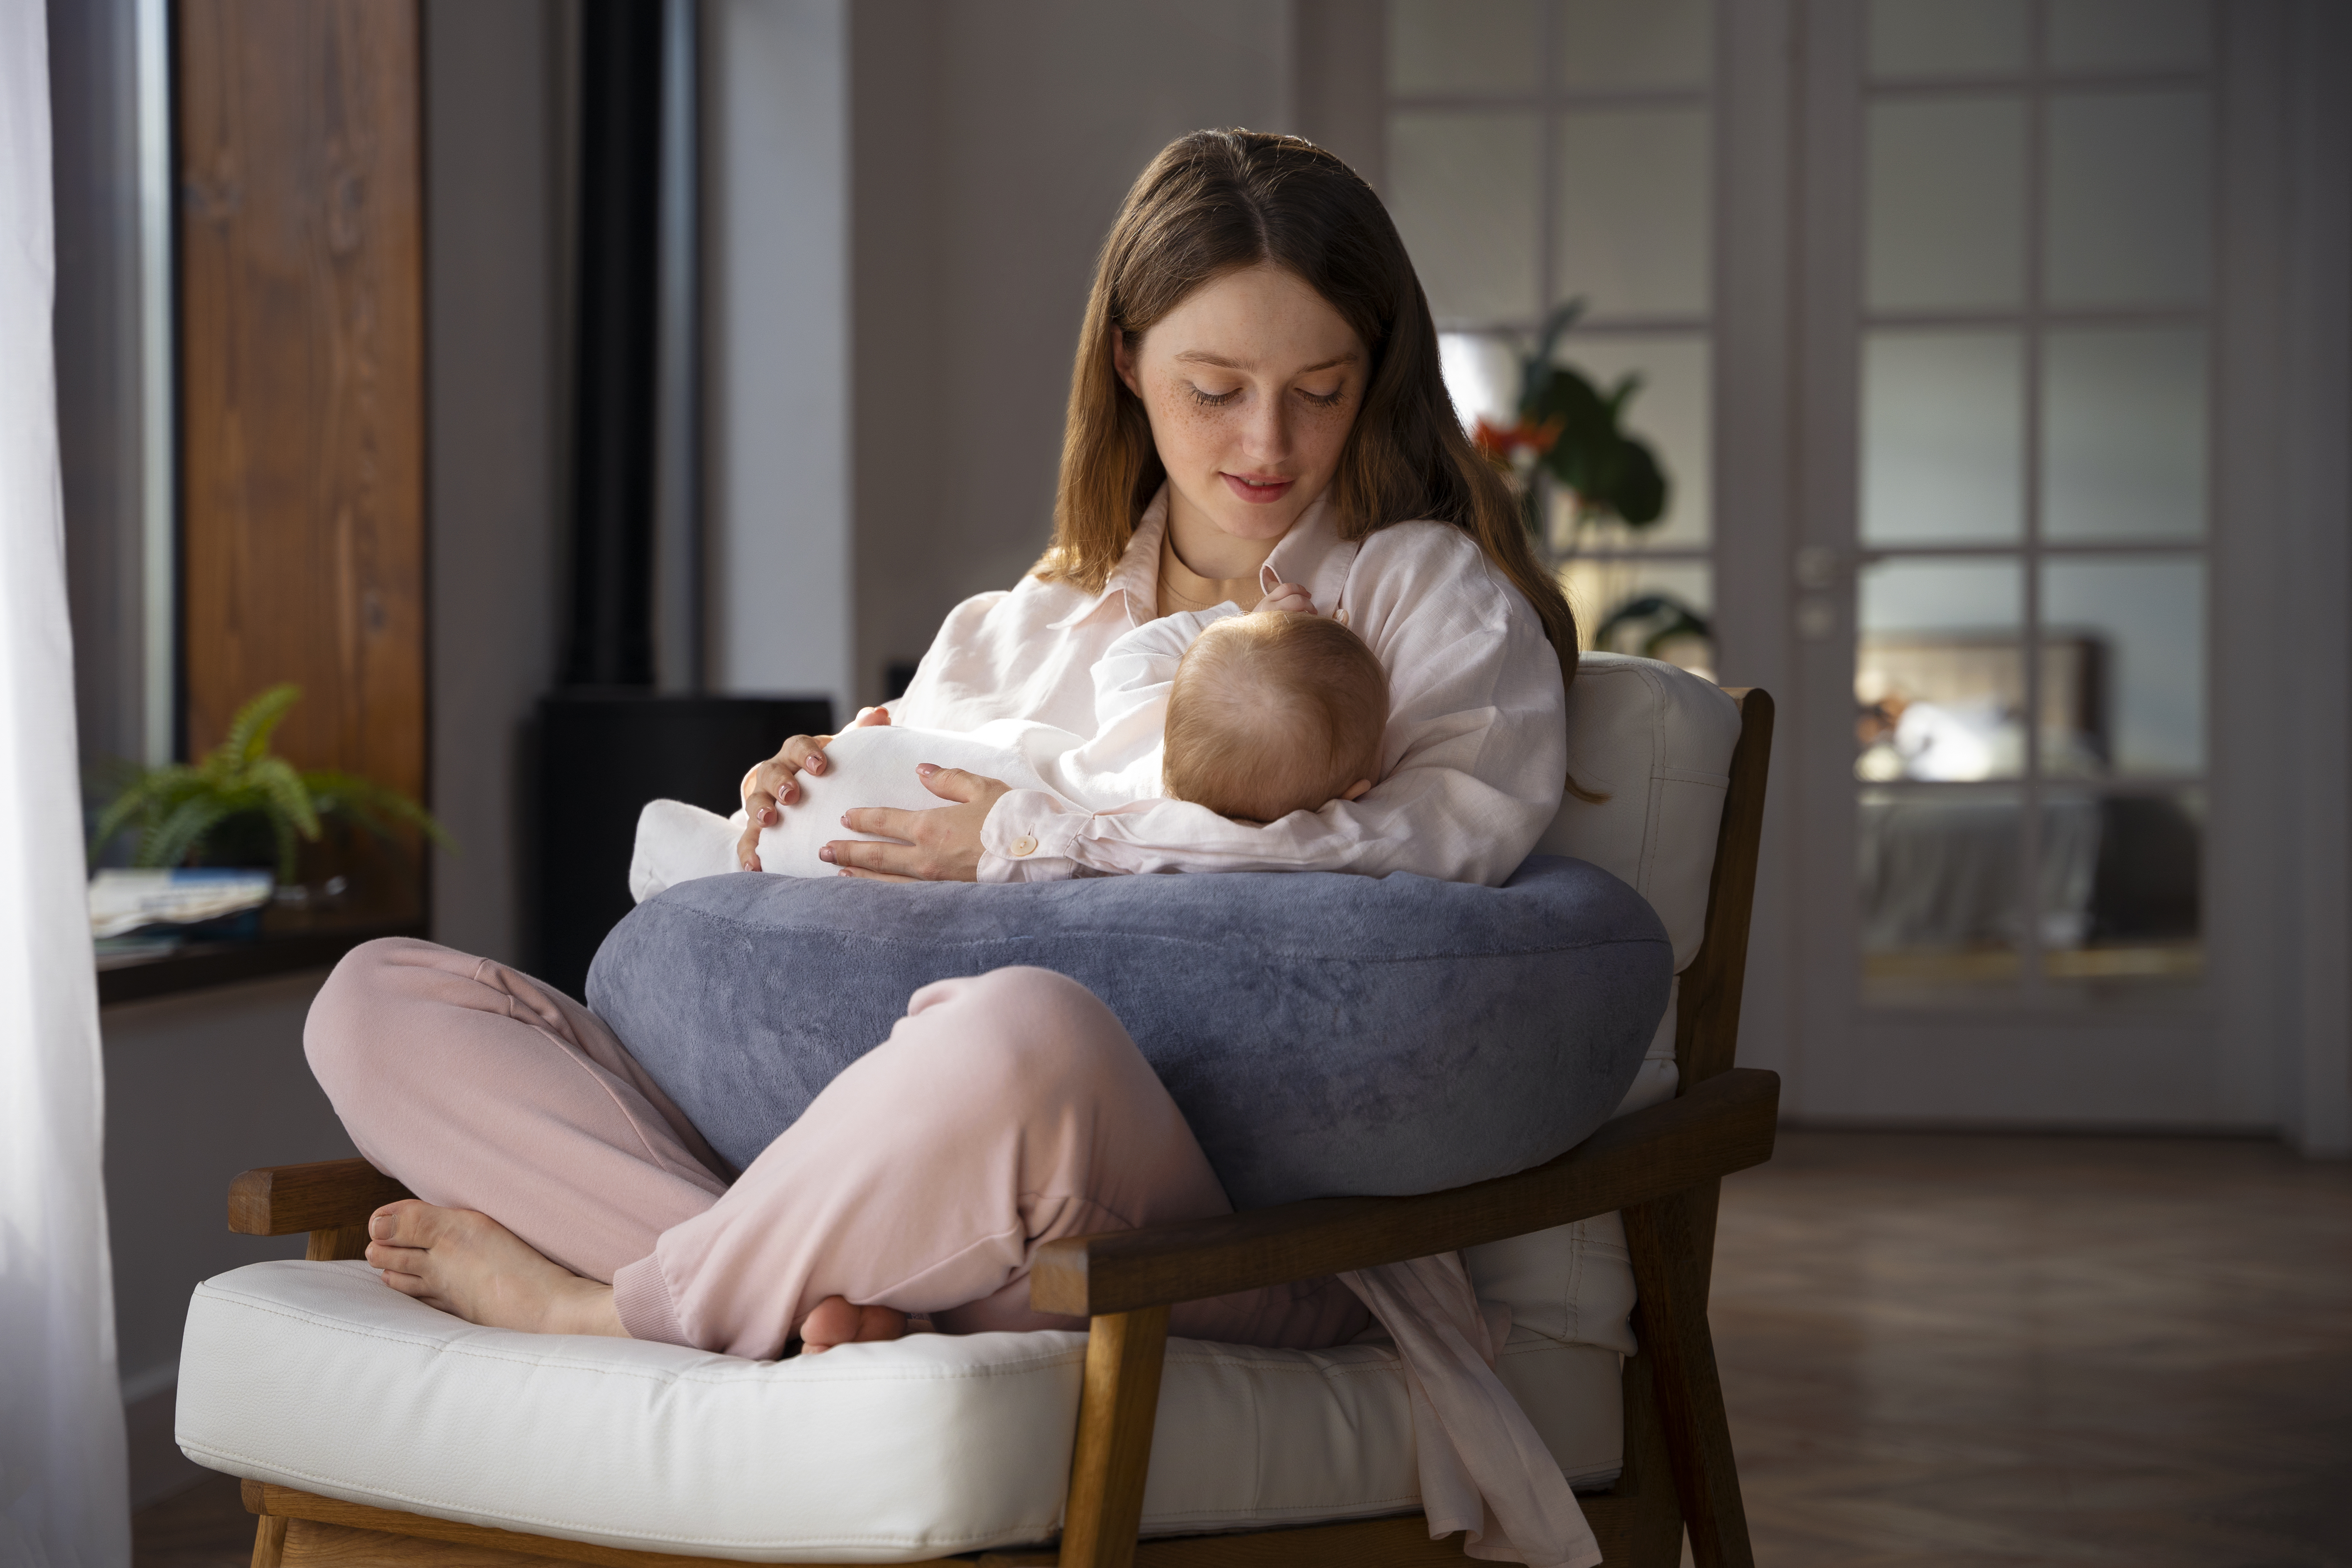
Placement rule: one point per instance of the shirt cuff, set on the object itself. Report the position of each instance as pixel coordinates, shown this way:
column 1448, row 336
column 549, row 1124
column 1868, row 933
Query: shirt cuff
column 1028, row 837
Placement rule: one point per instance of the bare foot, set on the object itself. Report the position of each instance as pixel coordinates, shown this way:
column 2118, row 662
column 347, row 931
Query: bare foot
column 833, row 1321
column 470, row 1265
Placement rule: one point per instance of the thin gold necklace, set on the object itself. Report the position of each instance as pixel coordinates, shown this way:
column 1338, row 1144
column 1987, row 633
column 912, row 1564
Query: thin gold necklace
column 1170, row 564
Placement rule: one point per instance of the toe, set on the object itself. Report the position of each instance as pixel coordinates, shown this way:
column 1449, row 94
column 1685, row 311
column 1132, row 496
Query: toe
column 832, row 1322
column 880, row 1324
column 402, row 1259
column 405, row 1224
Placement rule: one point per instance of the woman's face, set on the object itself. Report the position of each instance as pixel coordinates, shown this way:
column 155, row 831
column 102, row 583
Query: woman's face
column 1252, row 385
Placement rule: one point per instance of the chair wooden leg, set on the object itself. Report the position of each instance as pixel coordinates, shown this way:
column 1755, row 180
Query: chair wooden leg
column 1671, row 1322
column 268, row 1540
column 1125, row 1353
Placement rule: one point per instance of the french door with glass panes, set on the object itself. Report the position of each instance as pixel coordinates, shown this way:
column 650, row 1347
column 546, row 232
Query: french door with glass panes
column 1935, row 315
column 2016, row 306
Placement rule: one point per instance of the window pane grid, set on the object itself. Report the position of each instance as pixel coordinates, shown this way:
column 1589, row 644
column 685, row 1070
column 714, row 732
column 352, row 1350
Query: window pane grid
column 2085, row 765
column 1622, row 202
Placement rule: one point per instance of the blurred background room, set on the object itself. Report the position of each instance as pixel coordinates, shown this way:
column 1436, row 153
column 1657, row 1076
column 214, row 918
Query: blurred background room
column 575, row 397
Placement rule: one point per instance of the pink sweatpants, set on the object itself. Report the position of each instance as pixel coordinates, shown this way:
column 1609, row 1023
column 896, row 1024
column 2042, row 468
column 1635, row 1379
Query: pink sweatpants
column 1003, row 1112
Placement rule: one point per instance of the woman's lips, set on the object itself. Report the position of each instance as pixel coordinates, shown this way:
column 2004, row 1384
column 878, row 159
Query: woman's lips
column 1259, row 490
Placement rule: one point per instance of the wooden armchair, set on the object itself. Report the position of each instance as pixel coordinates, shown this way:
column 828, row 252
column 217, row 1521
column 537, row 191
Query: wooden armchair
column 1661, row 1167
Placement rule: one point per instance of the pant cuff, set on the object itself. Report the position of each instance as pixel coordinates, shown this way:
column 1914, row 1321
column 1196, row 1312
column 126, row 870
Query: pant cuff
column 642, row 1298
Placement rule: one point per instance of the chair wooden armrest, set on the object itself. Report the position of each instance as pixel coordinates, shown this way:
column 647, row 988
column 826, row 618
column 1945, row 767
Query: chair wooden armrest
column 1723, row 1125
column 332, row 1199
column 1660, row 1167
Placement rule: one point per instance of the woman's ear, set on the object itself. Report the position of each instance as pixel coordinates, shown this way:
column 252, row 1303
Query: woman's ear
column 1122, row 359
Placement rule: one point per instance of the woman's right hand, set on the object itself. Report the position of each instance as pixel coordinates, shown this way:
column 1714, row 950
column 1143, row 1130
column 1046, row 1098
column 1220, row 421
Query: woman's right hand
column 773, row 784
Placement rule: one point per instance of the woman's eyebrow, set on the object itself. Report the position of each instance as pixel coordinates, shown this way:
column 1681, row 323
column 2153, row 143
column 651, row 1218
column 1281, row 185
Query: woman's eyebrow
column 1201, row 356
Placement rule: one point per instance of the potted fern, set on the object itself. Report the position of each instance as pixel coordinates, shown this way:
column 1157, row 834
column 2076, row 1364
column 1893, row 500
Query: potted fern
column 244, row 806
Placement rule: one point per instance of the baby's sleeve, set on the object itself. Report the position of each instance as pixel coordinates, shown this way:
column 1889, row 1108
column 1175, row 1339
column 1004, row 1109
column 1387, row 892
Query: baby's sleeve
column 1133, row 677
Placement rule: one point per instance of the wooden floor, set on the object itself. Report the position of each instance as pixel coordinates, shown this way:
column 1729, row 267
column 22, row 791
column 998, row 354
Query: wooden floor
column 1944, row 1350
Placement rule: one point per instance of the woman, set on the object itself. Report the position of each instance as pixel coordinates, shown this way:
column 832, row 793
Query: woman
column 1256, row 390
column 1256, row 395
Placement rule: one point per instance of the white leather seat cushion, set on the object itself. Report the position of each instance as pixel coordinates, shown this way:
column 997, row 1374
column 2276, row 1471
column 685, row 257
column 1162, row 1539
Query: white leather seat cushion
column 315, row 1375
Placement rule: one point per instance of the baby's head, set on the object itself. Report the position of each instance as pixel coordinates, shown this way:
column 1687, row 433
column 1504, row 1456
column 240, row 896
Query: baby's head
column 1272, row 713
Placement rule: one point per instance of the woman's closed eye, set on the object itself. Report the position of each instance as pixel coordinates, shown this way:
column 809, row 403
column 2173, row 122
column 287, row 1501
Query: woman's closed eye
column 1207, row 399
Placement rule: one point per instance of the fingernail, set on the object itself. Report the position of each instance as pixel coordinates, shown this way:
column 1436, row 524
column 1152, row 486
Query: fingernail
column 816, row 764
column 825, row 854
column 925, row 770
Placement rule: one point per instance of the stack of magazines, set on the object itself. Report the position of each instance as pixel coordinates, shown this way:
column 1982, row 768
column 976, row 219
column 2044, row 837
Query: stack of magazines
column 168, row 904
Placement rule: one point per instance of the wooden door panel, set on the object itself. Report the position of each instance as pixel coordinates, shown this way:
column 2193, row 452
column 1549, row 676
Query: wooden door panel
column 302, row 374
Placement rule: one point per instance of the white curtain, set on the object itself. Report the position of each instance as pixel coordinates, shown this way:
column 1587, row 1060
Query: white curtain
column 64, row 1499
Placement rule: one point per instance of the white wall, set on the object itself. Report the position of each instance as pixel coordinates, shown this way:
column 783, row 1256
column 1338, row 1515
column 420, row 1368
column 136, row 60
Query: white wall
column 776, row 232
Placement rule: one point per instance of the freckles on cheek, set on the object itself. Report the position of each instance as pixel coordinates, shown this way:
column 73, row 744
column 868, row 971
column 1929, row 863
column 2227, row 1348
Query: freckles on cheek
column 1180, row 407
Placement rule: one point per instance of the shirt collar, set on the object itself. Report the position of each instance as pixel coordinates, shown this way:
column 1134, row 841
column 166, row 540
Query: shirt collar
column 1135, row 580
column 1312, row 554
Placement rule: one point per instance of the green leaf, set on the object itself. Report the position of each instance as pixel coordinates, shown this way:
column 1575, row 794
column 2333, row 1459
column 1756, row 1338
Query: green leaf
column 140, row 798
column 289, row 796
column 247, row 741
column 166, row 843
column 363, row 799
column 1639, row 494
column 289, row 850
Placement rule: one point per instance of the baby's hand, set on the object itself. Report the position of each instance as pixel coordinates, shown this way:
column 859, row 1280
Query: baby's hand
column 1290, row 597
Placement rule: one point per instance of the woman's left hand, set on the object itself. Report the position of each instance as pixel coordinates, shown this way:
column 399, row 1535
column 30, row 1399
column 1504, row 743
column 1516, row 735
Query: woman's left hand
column 937, row 845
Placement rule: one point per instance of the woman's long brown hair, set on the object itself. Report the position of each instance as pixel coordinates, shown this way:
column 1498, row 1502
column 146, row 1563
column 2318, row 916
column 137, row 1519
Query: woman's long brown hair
column 1219, row 200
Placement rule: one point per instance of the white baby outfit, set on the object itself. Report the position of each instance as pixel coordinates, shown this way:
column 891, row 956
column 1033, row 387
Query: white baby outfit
column 1118, row 763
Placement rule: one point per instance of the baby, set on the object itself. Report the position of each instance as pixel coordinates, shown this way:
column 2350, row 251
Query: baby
column 1257, row 715
column 1272, row 712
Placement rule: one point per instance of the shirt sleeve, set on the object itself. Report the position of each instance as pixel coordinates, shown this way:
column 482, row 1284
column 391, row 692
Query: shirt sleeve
column 930, row 699
column 1477, row 744
column 1133, row 677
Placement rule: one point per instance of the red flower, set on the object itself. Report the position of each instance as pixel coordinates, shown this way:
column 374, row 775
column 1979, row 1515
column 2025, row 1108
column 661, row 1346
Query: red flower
column 1502, row 444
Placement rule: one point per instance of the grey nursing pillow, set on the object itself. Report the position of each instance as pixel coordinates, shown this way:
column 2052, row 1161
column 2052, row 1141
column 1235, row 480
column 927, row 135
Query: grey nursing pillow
column 1323, row 1034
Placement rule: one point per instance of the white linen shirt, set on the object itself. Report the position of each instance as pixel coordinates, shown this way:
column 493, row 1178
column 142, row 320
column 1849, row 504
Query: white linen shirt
column 1473, row 762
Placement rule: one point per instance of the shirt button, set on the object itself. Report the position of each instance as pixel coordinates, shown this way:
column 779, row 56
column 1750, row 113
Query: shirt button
column 1024, row 845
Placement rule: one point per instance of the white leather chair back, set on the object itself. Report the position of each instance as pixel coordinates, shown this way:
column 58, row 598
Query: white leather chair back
column 1657, row 742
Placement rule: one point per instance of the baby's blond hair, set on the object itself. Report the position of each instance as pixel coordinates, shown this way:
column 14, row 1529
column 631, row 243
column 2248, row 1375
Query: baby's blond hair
column 1272, row 713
